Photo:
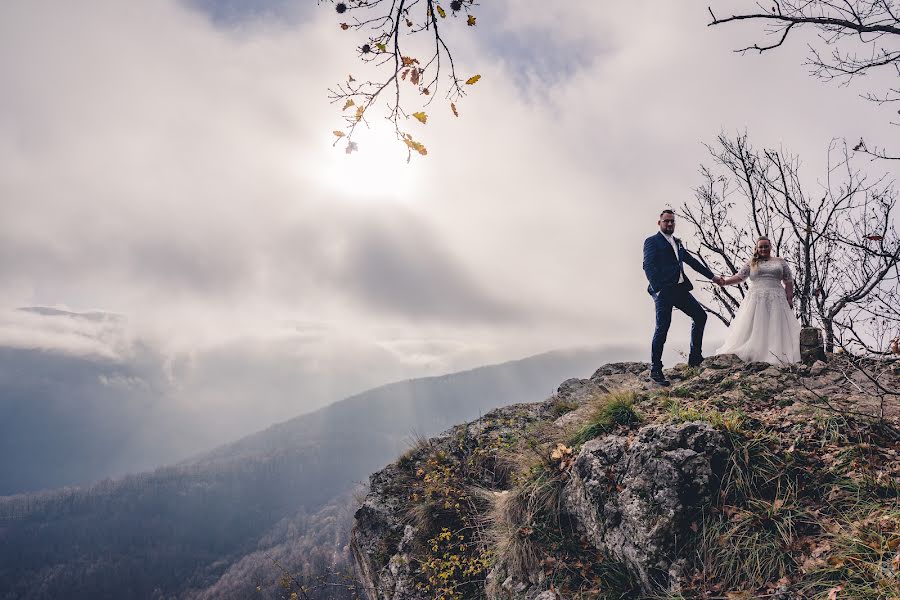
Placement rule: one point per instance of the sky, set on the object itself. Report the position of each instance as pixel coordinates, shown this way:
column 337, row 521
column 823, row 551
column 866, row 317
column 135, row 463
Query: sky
column 171, row 163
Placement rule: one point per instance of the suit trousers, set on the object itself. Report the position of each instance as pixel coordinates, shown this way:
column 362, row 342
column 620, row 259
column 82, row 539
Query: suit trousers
column 680, row 297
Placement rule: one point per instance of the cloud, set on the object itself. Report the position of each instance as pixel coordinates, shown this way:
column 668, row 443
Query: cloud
column 237, row 14
column 396, row 264
column 171, row 161
column 95, row 334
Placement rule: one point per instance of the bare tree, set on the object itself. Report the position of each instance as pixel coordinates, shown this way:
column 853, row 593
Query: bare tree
column 854, row 37
column 388, row 28
column 840, row 239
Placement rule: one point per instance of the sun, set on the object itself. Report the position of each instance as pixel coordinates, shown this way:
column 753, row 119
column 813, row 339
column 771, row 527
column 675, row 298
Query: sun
column 377, row 172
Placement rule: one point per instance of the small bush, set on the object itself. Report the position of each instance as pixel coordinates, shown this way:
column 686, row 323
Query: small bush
column 449, row 559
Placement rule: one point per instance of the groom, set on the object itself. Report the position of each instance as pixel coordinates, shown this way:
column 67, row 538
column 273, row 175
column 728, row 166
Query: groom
column 664, row 258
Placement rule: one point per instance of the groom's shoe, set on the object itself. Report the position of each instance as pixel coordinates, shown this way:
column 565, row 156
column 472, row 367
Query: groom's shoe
column 657, row 376
column 695, row 361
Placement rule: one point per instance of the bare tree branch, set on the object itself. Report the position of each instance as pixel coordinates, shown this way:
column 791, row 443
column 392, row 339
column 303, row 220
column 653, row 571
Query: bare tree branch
column 402, row 77
column 841, row 243
column 853, row 38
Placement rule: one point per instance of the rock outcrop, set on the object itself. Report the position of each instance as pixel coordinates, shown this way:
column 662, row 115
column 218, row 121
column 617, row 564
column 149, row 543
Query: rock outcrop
column 634, row 499
column 625, row 501
column 380, row 539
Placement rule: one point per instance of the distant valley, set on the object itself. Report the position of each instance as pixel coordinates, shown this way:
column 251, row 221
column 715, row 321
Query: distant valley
column 213, row 525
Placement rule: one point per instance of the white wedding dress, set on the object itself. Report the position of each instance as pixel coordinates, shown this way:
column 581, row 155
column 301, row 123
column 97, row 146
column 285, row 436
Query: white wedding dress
column 765, row 328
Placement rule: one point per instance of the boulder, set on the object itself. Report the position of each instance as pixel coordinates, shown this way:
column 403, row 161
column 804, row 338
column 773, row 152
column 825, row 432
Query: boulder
column 812, row 348
column 635, row 500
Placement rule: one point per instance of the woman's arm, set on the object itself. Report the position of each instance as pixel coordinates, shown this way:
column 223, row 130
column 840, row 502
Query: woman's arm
column 738, row 277
column 787, row 278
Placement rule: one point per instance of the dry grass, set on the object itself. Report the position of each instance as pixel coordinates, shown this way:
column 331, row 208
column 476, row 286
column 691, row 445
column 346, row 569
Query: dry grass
column 861, row 554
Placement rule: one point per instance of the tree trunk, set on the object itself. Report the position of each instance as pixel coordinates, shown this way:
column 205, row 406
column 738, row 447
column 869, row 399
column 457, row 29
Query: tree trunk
column 828, row 328
column 805, row 310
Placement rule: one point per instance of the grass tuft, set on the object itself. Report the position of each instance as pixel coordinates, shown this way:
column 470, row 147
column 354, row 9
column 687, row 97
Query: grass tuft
column 740, row 553
column 731, row 421
column 681, row 392
column 862, row 556
column 616, row 408
column 559, row 407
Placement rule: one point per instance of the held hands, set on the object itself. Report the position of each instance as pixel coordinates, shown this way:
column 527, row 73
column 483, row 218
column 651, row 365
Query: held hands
column 719, row 280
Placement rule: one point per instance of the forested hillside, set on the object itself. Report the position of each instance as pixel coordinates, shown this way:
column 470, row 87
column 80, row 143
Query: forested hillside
column 179, row 529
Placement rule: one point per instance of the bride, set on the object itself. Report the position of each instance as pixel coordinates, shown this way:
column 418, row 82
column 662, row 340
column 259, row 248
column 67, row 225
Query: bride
column 764, row 328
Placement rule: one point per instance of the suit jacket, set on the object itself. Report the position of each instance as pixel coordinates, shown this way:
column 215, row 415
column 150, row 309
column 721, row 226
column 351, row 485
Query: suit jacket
column 662, row 266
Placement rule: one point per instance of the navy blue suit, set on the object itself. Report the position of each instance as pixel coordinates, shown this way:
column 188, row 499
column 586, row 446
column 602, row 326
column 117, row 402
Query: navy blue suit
column 663, row 267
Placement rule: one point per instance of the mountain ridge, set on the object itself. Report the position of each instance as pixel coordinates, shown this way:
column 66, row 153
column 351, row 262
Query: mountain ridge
column 221, row 511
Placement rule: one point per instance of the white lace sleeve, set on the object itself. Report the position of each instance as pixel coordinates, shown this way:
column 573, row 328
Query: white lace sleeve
column 744, row 272
column 786, row 274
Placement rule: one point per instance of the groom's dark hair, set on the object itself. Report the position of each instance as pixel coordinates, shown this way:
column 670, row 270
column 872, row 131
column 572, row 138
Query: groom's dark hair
column 668, row 211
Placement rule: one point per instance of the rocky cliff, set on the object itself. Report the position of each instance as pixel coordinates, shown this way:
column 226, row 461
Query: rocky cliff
column 743, row 480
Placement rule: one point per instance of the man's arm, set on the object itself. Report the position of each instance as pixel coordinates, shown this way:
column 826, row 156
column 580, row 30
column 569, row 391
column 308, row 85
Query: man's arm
column 650, row 268
column 699, row 266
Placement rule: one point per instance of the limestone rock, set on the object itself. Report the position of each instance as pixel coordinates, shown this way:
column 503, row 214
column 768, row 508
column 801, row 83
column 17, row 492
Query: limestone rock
column 633, row 501
column 721, row 361
column 379, row 540
column 579, row 390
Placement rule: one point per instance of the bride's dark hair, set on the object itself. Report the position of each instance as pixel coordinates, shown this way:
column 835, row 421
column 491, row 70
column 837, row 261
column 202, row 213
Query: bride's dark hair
column 755, row 260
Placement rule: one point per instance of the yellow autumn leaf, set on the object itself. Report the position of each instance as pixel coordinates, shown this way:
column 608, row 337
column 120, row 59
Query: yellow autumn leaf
column 441, row 11
column 348, row 103
column 338, row 133
column 473, row 79
column 421, row 117
column 359, row 112
column 417, row 146
column 453, row 108
column 381, row 47
column 471, row 21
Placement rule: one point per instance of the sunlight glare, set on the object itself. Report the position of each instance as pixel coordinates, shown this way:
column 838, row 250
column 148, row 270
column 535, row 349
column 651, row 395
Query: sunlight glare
column 376, row 172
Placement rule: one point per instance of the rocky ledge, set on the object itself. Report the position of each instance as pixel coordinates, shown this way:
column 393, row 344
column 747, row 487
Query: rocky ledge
column 743, row 480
